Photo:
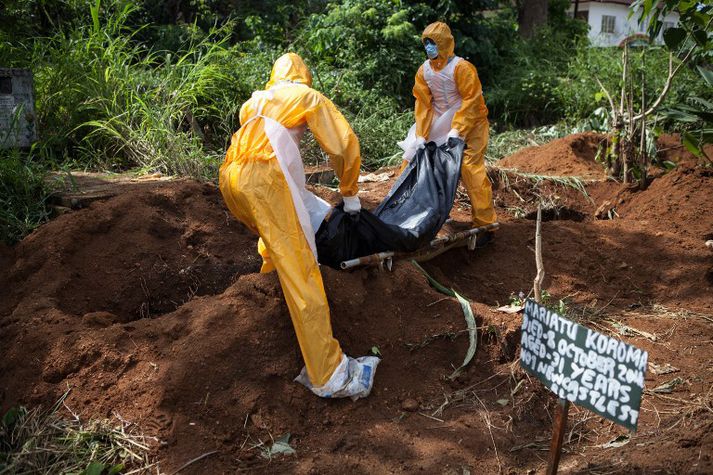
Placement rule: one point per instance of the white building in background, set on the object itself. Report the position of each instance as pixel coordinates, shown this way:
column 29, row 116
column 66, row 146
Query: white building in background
column 609, row 22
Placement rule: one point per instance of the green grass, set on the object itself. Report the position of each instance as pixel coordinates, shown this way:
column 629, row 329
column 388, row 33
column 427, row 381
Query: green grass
column 43, row 442
column 24, row 195
column 106, row 101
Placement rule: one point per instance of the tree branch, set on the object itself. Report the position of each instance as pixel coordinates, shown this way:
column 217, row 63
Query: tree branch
column 625, row 60
column 667, row 87
column 537, row 285
column 669, row 80
column 609, row 98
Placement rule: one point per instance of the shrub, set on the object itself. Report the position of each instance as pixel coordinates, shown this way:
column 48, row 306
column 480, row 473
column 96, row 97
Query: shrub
column 580, row 94
column 524, row 89
column 23, row 196
column 369, row 45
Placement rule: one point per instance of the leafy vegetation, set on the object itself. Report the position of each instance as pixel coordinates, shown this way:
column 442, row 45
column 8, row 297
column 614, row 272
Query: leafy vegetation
column 156, row 86
column 524, row 90
column 580, row 94
column 691, row 40
column 23, row 196
column 105, row 100
column 632, row 109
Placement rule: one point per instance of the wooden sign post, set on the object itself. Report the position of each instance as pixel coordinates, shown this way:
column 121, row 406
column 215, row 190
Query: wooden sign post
column 582, row 366
column 559, row 424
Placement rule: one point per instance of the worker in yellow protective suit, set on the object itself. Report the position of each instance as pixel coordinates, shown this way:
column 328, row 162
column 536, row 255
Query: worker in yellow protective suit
column 263, row 184
column 449, row 103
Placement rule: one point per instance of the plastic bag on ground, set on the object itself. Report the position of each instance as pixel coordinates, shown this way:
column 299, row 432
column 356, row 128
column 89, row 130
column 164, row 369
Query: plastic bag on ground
column 354, row 378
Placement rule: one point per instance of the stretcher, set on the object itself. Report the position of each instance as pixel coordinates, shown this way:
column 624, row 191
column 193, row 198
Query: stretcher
column 437, row 246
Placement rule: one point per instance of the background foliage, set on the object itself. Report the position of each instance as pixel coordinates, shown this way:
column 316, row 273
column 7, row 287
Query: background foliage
column 157, row 85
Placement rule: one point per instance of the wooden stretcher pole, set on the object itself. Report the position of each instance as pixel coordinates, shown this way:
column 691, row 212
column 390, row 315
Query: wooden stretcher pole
column 373, row 259
column 436, row 247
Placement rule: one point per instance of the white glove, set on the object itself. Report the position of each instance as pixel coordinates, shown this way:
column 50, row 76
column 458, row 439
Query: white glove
column 352, row 205
column 420, row 143
column 454, row 134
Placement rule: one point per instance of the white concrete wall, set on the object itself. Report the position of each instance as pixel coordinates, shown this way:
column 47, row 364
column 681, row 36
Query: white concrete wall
column 623, row 28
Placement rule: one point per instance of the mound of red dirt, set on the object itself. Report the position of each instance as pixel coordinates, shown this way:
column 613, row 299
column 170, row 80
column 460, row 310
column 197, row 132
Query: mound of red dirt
column 105, row 307
column 678, row 201
column 669, row 148
column 142, row 253
column 148, row 305
column 573, row 155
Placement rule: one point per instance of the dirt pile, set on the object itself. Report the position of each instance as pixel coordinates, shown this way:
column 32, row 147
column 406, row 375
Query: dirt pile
column 138, row 255
column 573, row 155
column 216, row 370
column 669, row 148
column 148, row 305
column 679, row 201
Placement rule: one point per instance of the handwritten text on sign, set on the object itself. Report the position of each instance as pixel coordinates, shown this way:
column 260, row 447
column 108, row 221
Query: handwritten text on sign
column 585, row 367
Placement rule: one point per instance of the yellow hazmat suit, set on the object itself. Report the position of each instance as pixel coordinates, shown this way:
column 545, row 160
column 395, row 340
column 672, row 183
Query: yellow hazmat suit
column 260, row 183
column 456, row 89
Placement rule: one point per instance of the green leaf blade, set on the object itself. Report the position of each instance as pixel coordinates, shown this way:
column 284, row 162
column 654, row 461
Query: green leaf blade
column 673, row 37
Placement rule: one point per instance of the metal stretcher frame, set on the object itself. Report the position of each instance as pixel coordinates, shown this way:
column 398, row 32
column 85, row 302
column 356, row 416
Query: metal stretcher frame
column 439, row 245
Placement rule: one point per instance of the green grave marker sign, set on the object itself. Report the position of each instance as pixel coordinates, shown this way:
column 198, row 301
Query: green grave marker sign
column 583, row 366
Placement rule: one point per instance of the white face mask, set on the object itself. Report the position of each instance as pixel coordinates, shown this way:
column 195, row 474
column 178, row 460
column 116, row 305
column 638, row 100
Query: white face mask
column 431, row 50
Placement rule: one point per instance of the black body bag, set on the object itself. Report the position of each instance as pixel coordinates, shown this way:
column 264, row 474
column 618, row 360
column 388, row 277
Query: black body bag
column 409, row 217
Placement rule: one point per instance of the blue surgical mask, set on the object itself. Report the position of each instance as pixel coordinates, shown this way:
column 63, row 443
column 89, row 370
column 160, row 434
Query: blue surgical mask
column 431, row 50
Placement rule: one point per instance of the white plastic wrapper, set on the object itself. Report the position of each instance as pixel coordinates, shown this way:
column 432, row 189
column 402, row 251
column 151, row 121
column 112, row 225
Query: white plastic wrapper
column 354, row 378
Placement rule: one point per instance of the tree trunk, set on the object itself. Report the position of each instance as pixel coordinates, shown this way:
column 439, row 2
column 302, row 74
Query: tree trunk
column 533, row 14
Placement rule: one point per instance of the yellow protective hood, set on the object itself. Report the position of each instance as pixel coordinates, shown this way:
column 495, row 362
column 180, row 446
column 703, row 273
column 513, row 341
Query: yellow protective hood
column 441, row 34
column 289, row 67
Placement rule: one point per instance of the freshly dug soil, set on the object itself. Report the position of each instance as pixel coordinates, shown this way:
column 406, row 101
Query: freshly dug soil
column 669, row 148
column 573, row 155
column 678, row 201
column 169, row 241
column 148, row 305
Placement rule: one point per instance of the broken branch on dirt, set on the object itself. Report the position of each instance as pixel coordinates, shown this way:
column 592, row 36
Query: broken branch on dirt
column 537, row 287
column 192, row 461
column 573, row 182
column 486, row 419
